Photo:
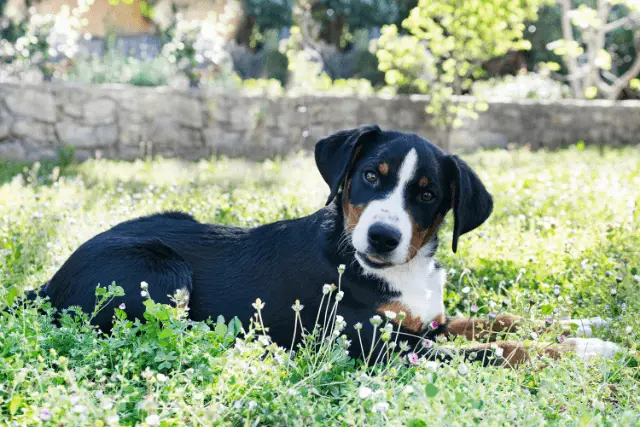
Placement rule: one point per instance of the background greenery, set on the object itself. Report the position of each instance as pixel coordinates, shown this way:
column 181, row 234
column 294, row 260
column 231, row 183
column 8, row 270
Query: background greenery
column 563, row 241
column 507, row 38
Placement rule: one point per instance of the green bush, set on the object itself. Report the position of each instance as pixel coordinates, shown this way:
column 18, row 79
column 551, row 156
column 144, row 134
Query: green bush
column 116, row 68
column 408, row 66
column 270, row 14
column 363, row 13
column 447, row 44
column 522, row 86
column 546, row 29
column 276, row 66
column 367, row 67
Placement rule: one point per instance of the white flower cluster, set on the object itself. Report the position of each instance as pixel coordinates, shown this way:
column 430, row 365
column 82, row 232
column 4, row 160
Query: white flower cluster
column 52, row 36
column 206, row 38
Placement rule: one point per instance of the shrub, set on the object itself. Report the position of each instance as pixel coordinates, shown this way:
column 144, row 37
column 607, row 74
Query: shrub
column 49, row 39
column 408, row 65
column 268, row 87
column 270, row 14
column 367, row 67
column 307, row 75
column 460, row 35
column 276, row 66
column 196, row 44
column 116, row 68
column 522, row 86
column 364, row 14
column 547, row 28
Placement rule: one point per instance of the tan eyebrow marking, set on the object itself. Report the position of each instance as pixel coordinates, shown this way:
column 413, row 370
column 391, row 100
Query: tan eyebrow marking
column 383, row 168
column 424, row 181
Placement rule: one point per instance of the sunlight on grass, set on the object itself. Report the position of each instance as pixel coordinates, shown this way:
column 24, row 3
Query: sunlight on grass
column 563, row 241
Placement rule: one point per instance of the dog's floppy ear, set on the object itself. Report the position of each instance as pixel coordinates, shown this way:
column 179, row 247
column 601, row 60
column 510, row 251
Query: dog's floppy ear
column 471, row 202
column 335, row 154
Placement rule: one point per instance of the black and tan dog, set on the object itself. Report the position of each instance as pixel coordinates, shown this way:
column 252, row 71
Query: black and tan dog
column 389, row 193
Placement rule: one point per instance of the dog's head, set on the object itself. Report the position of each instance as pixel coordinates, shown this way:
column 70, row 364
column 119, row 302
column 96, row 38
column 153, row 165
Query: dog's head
column 396, row 189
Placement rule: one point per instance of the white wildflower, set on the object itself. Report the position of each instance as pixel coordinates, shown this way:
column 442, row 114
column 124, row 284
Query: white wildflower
column 463, row 369
column 365, row 392
column 153, row 420
column 380, row 407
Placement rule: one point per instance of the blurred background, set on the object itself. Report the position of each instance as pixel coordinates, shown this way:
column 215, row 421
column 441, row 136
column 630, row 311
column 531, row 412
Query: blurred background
column 257, row 77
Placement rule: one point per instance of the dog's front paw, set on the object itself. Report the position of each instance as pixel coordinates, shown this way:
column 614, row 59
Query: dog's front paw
column 587, row 348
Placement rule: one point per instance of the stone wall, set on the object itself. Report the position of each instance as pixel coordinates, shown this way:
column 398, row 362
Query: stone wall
column 132, row 122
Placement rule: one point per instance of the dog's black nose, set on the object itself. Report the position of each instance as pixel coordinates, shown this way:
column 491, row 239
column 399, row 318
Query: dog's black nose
column 384, row 238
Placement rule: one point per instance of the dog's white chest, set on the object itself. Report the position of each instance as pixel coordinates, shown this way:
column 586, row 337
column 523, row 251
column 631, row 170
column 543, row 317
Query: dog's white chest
column 420, row 284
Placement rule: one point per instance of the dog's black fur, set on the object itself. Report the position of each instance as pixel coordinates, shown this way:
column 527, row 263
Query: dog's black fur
column 225, row 269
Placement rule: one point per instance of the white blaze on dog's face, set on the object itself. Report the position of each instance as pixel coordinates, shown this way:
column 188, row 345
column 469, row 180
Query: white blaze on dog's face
column 393, row 204
column 383, row 232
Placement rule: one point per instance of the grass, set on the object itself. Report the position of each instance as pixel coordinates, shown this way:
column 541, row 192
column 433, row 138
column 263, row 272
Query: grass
column 563, row 241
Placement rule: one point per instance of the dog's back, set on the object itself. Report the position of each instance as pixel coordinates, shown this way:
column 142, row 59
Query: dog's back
column 223, row 269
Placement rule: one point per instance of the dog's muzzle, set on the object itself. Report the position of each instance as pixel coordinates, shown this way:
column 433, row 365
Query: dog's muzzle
column 382, row 240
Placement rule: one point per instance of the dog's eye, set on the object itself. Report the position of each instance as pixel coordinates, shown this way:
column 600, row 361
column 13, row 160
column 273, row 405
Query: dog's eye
column 371, row 177
column 426, row 196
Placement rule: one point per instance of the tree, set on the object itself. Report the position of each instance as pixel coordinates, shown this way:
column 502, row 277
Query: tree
column 446, row 45
column 582, row 46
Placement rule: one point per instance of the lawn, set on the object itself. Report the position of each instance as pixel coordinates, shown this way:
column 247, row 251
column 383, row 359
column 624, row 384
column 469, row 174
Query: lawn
column 563, row 241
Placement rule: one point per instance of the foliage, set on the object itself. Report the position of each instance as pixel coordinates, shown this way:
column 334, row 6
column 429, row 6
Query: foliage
column 116, row 68
column 367, row 67
column 522, row 86
column 276, row 66
column 452, row 39
column 408, row 65
column 540, row 33
column 10, row 28
column 307, row 76
column 48, row 39
column 265, row 87
column 200, row 43
column 365, row 14
column 583, row 46
column 270, row 14
column 404, row 9
column 560, row 243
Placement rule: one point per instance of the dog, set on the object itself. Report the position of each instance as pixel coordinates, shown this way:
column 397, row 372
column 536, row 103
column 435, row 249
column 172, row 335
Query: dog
column 389, row 194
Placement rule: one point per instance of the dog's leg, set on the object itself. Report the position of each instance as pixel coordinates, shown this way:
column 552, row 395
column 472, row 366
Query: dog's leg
column 514, row 353
column 584, row 327
column 475, row 329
